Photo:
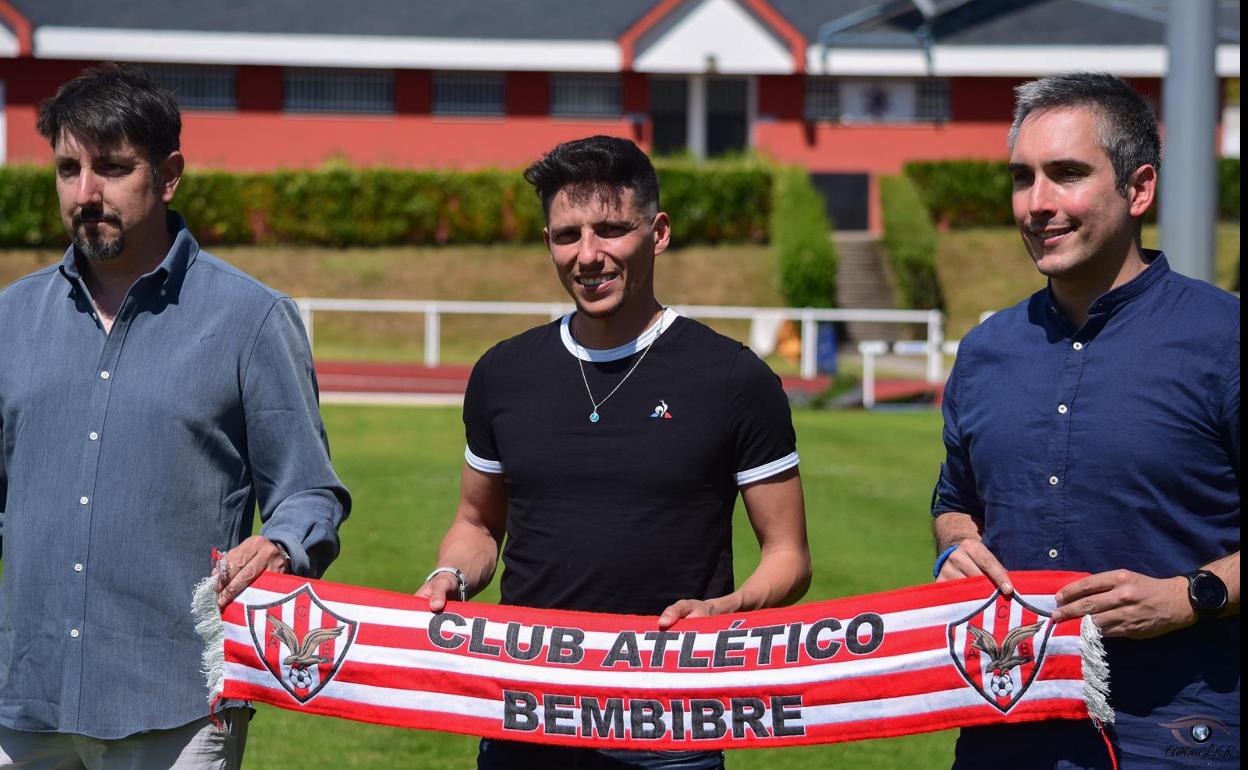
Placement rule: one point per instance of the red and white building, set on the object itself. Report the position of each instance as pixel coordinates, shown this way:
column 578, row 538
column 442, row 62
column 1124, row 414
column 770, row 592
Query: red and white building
column 850, row 89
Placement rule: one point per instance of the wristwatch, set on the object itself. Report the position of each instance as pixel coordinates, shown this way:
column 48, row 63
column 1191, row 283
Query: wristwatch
column 1207, row 593
column 459, row 576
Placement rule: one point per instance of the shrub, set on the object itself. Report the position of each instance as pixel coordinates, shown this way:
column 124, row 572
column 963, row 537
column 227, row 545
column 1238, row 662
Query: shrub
column 910, row 239
column 976, row 193
column 801, row 236
column 338, row 205
column 1228, row 189
column 716, row 202
column 964, row 193
column 29, row 213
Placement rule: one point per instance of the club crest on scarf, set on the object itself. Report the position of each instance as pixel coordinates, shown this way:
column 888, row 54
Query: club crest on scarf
column 999, row 648
column 301, row 641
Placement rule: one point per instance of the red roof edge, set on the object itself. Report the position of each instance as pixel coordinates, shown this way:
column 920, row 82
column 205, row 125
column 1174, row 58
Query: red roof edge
column 628, row 40
column 782, row 27
column 21, row 25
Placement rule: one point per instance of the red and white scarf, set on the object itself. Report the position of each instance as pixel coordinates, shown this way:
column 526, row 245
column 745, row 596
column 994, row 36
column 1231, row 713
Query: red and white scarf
column 907, row 661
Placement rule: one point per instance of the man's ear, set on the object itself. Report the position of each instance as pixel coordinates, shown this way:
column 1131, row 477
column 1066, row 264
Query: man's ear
column 169, row 174
column 1142, row 189
column 662, row 232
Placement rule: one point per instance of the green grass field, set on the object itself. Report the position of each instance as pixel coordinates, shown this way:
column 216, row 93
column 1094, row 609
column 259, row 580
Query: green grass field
column 867, row 479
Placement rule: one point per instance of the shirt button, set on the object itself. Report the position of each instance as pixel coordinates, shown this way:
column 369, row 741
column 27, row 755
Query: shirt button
column 1061, row 409
column 74, row 633
column 104, row 375
column 93, row 435
column 83, row 500
column 1078, row 346
column 77, row 568
column 1052, row 481
column 162, row 292
column 1052, row 553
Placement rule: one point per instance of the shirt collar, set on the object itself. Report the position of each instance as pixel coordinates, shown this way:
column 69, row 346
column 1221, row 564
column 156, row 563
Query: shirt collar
column 1157, row 268
column 172, row 269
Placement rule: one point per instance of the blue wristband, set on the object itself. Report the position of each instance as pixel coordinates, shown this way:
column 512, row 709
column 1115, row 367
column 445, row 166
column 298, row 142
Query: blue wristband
column 940, row 560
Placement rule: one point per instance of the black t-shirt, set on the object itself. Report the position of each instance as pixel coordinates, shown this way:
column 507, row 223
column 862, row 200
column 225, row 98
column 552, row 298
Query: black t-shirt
column 632, row 512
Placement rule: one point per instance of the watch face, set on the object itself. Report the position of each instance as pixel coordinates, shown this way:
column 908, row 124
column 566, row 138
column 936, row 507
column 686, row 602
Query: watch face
column 1207, row 591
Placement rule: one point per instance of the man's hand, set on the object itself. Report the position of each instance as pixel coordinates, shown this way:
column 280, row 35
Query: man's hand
column 244, row 563
column 1125, row 603
column 689, row 608
column 437, row 589
column 972, row 559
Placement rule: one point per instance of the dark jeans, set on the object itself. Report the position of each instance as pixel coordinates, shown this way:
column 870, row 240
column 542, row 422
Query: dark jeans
column 512, row 755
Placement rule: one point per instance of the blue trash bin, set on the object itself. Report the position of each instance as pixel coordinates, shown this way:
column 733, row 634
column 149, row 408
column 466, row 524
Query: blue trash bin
column 825, row 348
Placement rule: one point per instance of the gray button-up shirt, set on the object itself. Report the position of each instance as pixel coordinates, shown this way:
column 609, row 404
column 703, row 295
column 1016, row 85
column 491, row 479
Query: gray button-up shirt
column 125, row 458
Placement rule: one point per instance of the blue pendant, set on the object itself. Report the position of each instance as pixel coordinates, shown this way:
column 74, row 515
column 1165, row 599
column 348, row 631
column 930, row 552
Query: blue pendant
column 594, row 416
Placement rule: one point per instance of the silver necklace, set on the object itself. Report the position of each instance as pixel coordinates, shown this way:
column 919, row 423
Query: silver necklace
column 593, row 416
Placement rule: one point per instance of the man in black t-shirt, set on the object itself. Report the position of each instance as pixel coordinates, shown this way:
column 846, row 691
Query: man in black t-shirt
column 609, row 446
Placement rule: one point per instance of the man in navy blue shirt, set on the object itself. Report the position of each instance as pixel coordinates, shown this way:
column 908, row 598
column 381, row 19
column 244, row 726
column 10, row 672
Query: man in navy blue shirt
column 1095, row 427
column 151, row 399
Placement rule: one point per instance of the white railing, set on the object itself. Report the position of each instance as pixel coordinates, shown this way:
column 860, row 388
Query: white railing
column 870, row 349
column 809, row 318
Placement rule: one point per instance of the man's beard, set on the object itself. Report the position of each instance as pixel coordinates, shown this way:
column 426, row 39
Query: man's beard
column 97, row 248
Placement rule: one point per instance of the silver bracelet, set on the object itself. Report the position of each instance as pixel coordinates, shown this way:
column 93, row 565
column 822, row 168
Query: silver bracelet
column 281, row 551
column 459, row 576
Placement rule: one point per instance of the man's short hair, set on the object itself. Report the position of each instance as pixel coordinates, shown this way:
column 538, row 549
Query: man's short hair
column 111, row 103
column 596, row 165
column 1126, row 128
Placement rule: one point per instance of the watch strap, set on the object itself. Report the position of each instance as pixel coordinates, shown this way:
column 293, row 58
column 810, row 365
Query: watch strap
column 1205, row 610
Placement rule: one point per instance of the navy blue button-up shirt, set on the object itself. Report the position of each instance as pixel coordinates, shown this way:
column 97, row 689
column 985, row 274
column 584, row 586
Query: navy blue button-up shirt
column 124, row 459
column 1114, row 445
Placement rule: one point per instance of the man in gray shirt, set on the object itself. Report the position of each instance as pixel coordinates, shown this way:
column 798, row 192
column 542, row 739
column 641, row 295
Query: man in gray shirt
column 151, row 398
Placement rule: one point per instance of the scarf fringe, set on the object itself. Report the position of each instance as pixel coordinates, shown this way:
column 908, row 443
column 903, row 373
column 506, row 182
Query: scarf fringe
column 211, row 629
column 1095, row 672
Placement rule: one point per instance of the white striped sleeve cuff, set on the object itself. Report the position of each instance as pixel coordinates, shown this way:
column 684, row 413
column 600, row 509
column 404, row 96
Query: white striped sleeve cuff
column 482, row 464
column 768, row 470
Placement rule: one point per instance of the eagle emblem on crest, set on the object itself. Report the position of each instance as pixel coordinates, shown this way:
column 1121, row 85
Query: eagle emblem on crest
column 999, row 648
column 301, row 641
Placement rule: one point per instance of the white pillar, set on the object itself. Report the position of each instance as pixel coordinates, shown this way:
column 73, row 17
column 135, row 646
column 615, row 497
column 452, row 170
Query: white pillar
column 696, row 124
column 810, row 344
column 433, row 335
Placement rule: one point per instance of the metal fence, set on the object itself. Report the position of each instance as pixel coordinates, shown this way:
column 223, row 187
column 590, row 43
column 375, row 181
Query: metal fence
column 809, row 318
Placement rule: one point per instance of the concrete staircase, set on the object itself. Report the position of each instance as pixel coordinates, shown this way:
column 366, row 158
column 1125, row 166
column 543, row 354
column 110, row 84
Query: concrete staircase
column 862, row 282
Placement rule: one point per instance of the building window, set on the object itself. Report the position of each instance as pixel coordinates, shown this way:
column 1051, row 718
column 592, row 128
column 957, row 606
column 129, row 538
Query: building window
column 456, row 93
column 669, row 115
column 882, row 100
column 197, row 88
column 822, row 99
column 338, row 90
column 584, row 96
column 933, row 100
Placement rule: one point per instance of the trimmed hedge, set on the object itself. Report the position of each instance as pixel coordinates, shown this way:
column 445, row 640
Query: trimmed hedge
column 801, row 236
column 1228, row 189
column 342, row 206
column 910, row 239
column 29, row 212
column 964, row 193
column 976, row 193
